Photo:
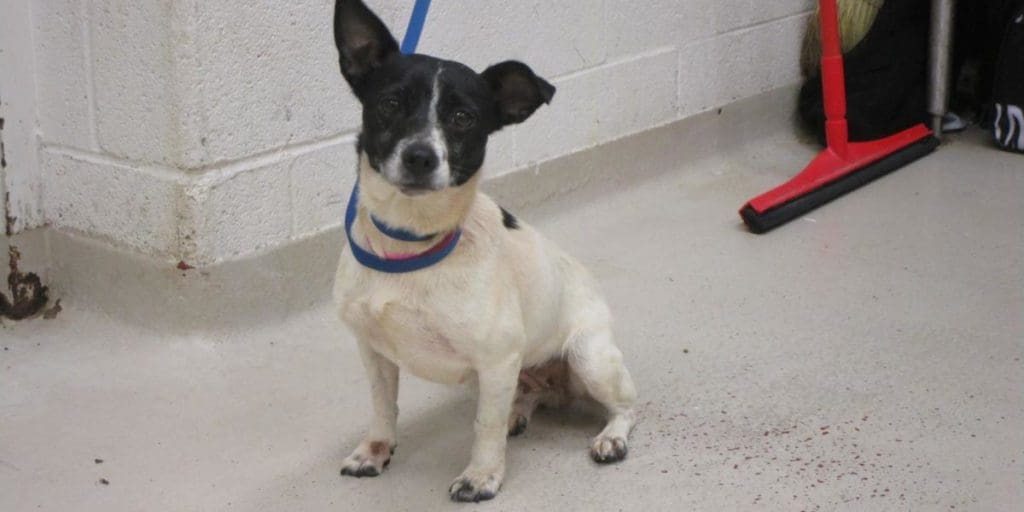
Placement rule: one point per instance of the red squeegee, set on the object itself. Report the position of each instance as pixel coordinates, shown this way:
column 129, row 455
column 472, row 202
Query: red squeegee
column 843, row 166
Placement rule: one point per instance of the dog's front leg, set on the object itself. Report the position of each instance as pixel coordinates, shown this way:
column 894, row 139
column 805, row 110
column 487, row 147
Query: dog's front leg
column 482, row 478
column 374, row 452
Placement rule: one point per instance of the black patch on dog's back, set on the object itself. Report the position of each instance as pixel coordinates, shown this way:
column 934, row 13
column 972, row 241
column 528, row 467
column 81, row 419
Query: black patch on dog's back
column 509, row 220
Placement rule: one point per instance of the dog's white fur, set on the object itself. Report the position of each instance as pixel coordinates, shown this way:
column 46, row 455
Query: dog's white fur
column 505, row 300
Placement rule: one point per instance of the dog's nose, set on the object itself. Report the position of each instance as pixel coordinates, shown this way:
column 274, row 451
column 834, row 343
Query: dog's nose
column 419, row 159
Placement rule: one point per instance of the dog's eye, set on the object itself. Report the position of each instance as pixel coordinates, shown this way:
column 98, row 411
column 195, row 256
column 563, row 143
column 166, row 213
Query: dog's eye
column 462, row 120
column 388, row 106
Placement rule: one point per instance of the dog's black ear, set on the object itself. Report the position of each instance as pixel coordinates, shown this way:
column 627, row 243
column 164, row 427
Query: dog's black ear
column 518, row 91
column 363, row 41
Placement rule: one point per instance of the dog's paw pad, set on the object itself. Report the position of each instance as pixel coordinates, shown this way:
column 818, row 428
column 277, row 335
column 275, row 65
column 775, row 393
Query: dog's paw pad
column 368, row 460
column 606, row 450
column 517, row 425
column 360, row 470
column 474, row 489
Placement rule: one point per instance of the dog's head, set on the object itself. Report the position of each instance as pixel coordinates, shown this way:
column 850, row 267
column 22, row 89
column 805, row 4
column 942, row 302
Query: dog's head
column 425, row 120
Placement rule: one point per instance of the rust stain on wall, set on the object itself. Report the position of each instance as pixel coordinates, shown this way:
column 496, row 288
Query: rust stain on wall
column 8, row 218
column 3, row 152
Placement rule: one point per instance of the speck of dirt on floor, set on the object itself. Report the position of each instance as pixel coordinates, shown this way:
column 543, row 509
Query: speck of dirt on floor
column 52, row 312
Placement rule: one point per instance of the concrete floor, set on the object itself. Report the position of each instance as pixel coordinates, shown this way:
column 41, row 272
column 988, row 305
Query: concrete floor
column 866, row 357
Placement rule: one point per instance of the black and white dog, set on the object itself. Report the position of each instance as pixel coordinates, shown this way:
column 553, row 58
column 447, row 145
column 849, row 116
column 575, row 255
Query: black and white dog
column 440, row 281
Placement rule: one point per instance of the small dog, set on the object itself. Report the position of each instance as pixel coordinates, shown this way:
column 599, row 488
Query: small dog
column 440, row 281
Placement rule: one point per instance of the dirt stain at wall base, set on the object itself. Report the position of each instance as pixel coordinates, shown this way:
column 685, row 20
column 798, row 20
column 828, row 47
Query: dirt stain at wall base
column 28, row 295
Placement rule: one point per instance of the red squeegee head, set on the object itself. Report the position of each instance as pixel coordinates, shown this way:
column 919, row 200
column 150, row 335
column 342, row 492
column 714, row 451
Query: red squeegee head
column 843, row 166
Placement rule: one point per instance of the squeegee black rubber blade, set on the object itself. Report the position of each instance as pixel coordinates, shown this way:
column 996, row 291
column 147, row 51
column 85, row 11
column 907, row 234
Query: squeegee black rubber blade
column 774, row 217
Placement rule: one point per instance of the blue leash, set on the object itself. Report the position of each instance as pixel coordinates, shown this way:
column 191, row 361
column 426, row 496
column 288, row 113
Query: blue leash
column 416, row 22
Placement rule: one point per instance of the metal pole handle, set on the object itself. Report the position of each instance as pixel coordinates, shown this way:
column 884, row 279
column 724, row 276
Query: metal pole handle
column 938, row 70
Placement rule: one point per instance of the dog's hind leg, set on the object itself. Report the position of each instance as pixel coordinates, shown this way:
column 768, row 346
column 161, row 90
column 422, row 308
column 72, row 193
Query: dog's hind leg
column 374, row 452
column 546, row 384
column 522, row 410
column 597, row 363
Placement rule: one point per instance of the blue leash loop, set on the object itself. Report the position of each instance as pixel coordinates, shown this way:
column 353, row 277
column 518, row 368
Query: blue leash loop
column 416, row 22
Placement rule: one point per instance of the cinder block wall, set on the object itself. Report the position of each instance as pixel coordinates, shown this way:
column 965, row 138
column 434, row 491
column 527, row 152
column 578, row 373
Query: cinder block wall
column 209, row 130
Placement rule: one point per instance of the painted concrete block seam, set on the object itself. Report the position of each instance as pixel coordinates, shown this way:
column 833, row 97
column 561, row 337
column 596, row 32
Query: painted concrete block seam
column 212, row 174
column 761, row 23
column 189, row 115
column 733, row 15
column 133, row 73
column 605, row 50
column 190, row 222
column 695, row 66
column 680, row 112
column 224, row 171
column 90, row 74
column 155, row 170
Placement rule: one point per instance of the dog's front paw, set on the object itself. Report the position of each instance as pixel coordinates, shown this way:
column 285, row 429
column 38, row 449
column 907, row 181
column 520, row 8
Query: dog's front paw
column 606, row 449
column 369, row 459
column 473, row 487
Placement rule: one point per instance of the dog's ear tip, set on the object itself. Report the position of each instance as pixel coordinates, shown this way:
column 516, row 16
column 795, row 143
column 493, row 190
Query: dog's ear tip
column 362, row 39
column 547, row 90
column 518, row 89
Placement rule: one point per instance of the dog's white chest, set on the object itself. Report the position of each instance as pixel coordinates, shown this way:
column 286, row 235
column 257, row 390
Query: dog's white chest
column 419, row 338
